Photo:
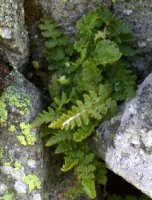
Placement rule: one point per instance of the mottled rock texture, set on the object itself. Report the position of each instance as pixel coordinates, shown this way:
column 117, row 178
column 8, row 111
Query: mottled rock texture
column 67, row 14
column 21, row 158
column 137, row 14
column 13, row 34
column 125, row 141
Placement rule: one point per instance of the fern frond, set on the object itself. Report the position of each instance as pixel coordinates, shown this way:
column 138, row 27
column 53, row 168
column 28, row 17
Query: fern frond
column 82, row 133
column 94, row 106
column 69, row 163
column 123, row 80
column 89, row 187
column 105, row 52
column 59, row 137
column 44, row 117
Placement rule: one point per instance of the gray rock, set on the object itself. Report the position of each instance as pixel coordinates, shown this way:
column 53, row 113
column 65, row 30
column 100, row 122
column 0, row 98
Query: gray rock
column 125, row 141
column 138, row 14
column 21, row 161
column 67, row 14
column 13, row 34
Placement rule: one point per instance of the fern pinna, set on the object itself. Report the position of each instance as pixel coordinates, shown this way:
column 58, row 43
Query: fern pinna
column 89, row 77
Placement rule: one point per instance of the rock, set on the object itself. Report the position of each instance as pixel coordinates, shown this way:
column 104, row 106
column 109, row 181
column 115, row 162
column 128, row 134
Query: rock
column 67, row 14
column 21, row 160
column 125, row 141
column 138, row 14
column 13, row 33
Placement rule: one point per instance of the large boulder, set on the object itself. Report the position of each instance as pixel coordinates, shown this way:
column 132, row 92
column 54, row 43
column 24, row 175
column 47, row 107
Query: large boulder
column 125, row 141
column 13, row 33
column 68, row 13
column 138, row 14
column 21, row 149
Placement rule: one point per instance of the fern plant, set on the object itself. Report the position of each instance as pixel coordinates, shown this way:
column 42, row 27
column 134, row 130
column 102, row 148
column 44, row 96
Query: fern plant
column 89, row 77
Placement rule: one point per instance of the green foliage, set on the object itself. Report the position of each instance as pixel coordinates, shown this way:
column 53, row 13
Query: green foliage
column 89, row 78
column 57, row 44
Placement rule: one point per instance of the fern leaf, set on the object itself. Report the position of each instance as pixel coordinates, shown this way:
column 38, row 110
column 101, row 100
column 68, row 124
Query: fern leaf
column 82, row 133
column 89, row 188
column 106, row 52
column 69, row 163
column 44, row 117
column 59, row 137
column 101, row 172
column 66, row 147
column 96, row 108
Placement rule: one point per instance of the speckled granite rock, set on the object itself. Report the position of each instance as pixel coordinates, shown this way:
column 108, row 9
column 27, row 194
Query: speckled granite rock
column 67, row 14
column 21, row 160
column 125, row 142
column 138, row 14
column 13, row 34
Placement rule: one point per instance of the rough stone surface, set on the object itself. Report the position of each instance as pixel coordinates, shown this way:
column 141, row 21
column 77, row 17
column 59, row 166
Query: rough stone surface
column 21, row 160
column 125, row 142
column 67, row 14
column 138, row 14
column 13, row 34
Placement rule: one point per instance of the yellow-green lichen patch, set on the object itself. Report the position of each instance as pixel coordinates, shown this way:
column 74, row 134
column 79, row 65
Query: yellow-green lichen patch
column 12, row 128
column 14, row 164
column 7, row 164
column 1, row 152
column 17, row 165
column 8, row 196
column 26, row 138
column 19, row 101
column 3, row 113
column 32, row 181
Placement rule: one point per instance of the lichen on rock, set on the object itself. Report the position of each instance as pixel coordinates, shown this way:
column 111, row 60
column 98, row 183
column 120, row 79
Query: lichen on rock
column 21, row 108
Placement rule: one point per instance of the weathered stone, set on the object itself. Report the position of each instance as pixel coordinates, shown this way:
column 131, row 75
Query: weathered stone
column 21, row 161
column 67, row 14
column 125, row 141
column 13, row 34
column 138, row 14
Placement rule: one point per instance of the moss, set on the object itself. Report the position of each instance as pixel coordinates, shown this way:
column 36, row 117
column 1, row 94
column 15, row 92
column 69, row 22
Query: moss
column 32, row 181
column 3, row 113
column 27, row 138
column 12, row 128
